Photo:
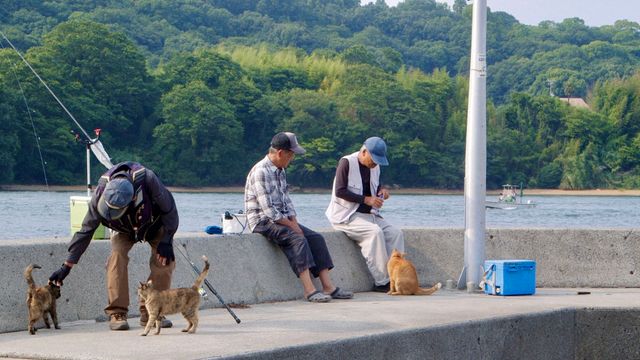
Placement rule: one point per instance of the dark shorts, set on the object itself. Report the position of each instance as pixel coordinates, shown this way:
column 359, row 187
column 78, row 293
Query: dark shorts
column 304, row 252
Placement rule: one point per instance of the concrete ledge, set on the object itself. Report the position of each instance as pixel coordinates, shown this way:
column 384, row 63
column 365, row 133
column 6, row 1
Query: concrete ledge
column 608, row 333
column 247, row 269
column 562, row 334
column 549, row 336
column 553, row 324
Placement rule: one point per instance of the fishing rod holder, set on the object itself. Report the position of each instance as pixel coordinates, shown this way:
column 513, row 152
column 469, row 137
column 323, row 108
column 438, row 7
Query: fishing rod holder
column 87, row 142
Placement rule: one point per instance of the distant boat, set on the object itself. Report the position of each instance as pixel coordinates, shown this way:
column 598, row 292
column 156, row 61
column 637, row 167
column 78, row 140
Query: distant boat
column 510, row 198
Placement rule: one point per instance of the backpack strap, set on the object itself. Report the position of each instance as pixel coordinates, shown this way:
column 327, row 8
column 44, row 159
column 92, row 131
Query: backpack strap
column 138, row 176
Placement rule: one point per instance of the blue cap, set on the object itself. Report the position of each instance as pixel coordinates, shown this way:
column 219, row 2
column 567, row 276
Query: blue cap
column 378, row 150
column 115, row 199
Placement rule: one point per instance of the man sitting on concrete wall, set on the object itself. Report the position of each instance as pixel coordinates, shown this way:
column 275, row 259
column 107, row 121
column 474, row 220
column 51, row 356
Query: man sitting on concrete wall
column 270, row 212
column 356, row 198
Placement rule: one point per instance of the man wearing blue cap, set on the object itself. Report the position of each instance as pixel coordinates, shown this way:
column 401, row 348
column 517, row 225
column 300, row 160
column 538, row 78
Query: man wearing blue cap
column 136, row 206
column 356, row 198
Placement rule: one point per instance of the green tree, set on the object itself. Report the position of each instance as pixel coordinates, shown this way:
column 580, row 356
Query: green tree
column 101, row 77
column 458, row 6
column 359, row 54
column 200, row 134
column 316, row 118
column 550, row 176
column 9, row 132
column 204, row 64
column 581, row 167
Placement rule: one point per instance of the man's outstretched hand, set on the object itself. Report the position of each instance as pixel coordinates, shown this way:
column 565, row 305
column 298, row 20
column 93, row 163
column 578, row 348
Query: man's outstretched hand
column 59, row 275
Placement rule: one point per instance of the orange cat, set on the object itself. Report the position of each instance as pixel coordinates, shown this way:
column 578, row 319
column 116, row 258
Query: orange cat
column 404, row 278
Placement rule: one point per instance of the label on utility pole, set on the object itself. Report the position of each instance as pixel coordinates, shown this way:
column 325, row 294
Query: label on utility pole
column 480, row 65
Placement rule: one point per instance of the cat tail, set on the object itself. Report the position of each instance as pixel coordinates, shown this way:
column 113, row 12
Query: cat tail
column 429, row 291
column 29, row 277
column 203, row 274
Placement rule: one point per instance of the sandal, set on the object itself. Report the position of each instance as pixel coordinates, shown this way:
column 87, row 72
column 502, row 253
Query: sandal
column 318, row 297
column 341, row 294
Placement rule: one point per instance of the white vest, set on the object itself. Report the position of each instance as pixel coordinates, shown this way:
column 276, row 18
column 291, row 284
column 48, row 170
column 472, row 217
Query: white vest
column 340, row 210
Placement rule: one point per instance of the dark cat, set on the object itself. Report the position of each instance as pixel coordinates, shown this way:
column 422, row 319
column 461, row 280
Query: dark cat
column 40, row 301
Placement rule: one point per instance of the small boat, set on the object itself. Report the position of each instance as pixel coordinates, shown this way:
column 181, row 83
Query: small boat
column 510, row 198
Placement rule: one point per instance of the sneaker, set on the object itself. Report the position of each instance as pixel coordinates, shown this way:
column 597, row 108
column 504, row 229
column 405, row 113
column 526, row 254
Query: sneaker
column 381, row 288
column 118, row 321
column 144, row 318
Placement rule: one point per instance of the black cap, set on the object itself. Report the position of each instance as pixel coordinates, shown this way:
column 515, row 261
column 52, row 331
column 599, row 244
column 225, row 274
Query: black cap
column 286, row 141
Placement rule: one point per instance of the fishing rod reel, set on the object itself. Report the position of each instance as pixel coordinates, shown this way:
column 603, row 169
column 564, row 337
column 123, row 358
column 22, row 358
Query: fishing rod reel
column 86, row 141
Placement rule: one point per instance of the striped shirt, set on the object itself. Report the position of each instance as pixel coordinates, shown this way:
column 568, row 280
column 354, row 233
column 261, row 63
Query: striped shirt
column 266, row 194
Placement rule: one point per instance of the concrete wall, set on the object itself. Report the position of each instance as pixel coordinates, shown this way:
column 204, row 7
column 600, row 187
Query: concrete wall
column 247, row 269
column 564, row 257
column 563, row 334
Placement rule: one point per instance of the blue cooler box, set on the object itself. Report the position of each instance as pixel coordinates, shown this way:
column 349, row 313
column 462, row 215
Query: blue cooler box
column 509, row 277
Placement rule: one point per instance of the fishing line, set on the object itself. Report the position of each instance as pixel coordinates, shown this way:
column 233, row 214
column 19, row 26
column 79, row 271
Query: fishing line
column 46, row 86
column 93, row 145
column 33, row 126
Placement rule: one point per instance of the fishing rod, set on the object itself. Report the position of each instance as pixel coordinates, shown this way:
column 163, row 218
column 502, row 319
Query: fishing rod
column 206, row 282
column 46, row 86
column 91, row 144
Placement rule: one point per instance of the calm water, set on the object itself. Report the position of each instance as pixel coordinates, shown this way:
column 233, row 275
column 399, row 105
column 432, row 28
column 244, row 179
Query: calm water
column 34, row 214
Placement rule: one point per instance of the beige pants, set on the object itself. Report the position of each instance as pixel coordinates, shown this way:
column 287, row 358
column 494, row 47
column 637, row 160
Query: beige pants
column 118, row 274
column 376, row 238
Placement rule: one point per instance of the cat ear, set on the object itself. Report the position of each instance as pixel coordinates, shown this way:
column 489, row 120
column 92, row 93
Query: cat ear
column 149, row 283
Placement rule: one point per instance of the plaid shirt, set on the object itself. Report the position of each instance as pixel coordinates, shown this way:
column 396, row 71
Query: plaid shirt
column 266, row 194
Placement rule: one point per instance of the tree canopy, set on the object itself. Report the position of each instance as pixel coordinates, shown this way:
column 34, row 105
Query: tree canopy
column 196, row 88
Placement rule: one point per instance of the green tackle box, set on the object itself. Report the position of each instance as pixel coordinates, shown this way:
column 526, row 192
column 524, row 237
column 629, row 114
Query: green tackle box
column 78, row 207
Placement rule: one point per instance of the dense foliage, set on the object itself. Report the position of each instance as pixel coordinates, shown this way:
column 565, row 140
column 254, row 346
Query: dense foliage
column 196, row 88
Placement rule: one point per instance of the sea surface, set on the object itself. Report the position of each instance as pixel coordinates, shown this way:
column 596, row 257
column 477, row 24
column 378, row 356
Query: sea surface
column 41, row 214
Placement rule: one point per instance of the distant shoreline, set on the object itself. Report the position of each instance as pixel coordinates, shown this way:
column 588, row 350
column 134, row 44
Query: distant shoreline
column 299, row 190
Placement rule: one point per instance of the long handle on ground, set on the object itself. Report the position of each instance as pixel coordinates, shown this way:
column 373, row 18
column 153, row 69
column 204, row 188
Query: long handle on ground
column 206, row 282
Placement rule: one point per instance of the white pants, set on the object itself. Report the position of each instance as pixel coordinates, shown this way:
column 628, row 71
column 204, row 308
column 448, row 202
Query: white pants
column 376, row 238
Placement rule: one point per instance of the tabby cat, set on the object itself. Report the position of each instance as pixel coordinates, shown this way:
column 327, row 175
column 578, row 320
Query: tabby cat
column 172, row 301
column 40, row 301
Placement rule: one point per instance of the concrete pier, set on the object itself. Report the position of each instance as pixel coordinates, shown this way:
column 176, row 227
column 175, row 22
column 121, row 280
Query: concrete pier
column 556, row 323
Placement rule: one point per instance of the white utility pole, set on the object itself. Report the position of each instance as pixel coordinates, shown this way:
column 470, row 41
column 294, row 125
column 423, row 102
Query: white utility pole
column 475, row 164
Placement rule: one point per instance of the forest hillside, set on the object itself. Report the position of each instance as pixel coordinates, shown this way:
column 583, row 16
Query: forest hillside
column 195, row 89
